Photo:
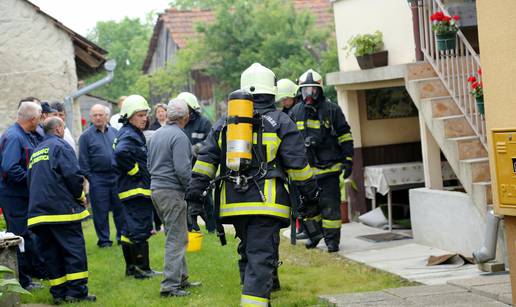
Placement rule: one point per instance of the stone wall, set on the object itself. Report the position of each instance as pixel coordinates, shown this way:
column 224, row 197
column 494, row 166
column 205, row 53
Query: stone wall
column 36, row 58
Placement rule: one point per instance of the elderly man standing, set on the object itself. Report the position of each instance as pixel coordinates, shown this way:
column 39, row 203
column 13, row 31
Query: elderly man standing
column 56, row 209
column 96, row 151
column 61, row 113
column 16, row 146
column 170, row 169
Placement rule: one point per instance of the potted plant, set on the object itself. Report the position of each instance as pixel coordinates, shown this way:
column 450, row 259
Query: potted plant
column 477, row 91
column 445, row 28
column 367, row 49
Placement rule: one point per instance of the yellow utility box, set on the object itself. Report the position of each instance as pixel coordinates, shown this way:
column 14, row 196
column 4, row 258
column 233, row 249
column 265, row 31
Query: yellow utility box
column 504, row 149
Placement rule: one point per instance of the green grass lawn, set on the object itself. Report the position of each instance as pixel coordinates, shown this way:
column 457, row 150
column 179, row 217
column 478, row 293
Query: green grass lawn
column 304, row 275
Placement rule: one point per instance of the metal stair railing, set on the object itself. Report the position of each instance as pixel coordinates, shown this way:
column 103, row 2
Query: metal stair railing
column 453, row 66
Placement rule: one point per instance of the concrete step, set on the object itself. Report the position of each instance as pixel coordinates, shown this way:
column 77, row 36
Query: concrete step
column 420, row 70
column 443, row 107
column 478, row 169
column 456, row 126
column 431, row 87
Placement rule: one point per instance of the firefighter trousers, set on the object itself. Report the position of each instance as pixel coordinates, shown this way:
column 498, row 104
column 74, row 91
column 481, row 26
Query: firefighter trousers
column 138, row 214
column 259, row 239
column 329, row 206
column 64, row 252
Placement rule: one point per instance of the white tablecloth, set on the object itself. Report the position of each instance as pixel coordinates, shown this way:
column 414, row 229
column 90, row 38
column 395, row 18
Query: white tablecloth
column 383, row 177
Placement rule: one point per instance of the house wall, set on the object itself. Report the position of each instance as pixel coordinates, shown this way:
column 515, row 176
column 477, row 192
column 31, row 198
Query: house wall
column 497, row 30
column 392, row 17
column 36, row 59
column 165, row 49
column 386, row 131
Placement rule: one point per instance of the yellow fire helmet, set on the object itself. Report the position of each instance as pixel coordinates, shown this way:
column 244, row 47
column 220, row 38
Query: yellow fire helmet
column 310, row 78
column 190, row 99
column 133, row 104
column 286, row 89
column 258, row 79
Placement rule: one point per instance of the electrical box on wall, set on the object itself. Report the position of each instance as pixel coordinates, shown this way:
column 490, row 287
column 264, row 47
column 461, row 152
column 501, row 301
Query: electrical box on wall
column 504, row 149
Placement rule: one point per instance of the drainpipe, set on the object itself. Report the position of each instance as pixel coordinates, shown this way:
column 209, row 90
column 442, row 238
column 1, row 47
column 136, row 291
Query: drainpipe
column 414, row 7
column 109, row 66
column 488, row 251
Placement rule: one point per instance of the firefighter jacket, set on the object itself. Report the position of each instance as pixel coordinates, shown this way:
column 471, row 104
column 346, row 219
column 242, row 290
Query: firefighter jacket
column 283, row 154
column 16, row 146
column 130, row 163
column 55, row 184
column 197, row 128
column 326, row 134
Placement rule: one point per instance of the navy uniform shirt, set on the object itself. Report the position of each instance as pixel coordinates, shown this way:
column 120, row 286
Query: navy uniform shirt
column 96, row 151
column 16, row 147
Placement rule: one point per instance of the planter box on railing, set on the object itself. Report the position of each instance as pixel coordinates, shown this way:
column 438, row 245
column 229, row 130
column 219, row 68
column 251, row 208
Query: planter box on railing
column 480, row 105
column 373, row 60
column 446, row 41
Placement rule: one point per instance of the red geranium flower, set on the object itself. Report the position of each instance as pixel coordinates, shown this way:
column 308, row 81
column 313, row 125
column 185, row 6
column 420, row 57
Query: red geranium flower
column 456, row 17
column 474, row 85
column 480, row 71
column 472, row 79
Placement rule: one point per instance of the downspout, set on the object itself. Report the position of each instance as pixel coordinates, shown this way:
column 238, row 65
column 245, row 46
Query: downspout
column 488, row 251
column 109, row 66
column 414, row 7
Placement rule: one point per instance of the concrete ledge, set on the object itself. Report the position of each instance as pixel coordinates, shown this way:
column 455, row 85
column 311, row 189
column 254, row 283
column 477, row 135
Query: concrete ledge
column 367, row 76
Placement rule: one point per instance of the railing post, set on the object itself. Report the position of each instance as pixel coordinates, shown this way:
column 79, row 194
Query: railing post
column 414, row 6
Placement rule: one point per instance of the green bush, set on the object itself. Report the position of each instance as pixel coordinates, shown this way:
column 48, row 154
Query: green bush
column 362, row 44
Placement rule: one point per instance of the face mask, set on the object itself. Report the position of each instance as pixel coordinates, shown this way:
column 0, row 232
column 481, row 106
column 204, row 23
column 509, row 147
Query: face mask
column 310, row 94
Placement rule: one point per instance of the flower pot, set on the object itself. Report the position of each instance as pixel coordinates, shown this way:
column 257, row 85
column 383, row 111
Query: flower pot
column 480, row 105
column 446, row 41
column 373, row 60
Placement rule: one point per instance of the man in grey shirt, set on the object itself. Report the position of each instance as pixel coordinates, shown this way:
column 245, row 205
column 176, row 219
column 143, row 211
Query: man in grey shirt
column 169, row 164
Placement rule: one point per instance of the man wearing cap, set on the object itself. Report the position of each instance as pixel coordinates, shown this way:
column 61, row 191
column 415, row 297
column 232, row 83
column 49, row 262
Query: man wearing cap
column 197, row 130
column 61, row 113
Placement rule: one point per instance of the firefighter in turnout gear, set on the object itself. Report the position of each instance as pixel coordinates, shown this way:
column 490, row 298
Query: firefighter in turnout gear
column 56, row 209
column 329, row 146
column 130, row 162
column 286, row 97
column 256, row 147
column 197, row 129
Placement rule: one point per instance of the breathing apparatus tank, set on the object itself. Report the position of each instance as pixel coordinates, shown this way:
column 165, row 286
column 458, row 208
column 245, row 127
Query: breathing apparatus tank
column 239, row 136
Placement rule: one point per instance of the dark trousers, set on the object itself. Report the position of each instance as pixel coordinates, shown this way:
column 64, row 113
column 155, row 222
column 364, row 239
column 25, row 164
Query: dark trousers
column 329, row 207
column 104, row 197
column 138, row 219
column 259, row 239
column 15, row 210
column 65, row 258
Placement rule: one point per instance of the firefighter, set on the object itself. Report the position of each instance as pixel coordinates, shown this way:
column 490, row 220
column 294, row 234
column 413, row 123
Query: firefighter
column 197, row 129
column 56, row 209
column 250, row 190
column 130, row 163
column 287, row 92
column 329, row 144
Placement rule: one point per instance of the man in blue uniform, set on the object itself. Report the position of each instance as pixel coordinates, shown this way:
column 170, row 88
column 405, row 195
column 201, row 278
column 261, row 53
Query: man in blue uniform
column 130, row 162
column 56, row 209
column 329, row 144
column 16, row 146
column 95, row 152
column 197, row 129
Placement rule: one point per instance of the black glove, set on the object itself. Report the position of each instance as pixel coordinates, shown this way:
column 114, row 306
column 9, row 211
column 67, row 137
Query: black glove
column 193, row 195
column 195, row 209
column 309, row 204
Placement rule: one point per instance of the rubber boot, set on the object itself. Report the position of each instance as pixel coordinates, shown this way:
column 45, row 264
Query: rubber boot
column 138, row 252
column 314, row 231
column 242, row 262
column 146, row 261
column 129, row 259
column 332, row 239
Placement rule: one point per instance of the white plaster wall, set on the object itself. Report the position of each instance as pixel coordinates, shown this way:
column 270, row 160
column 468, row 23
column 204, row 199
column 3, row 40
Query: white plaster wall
column 392, row 17
column 446, row 220
column 36, row 58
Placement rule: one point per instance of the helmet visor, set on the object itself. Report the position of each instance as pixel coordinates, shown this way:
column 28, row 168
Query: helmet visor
column 310, row 91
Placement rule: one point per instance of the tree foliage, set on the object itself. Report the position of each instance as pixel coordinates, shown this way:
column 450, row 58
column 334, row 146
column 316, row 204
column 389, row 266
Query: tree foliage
column 127, row 42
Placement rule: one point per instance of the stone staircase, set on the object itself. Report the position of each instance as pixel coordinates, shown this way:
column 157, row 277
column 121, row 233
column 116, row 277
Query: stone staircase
column 460, row 145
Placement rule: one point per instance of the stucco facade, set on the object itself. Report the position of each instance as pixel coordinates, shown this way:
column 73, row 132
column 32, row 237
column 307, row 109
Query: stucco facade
column 36, row 58
column 391, row 17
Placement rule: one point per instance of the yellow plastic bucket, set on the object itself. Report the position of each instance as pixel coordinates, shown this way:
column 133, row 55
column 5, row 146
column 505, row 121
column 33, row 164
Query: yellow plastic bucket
column 194, row 242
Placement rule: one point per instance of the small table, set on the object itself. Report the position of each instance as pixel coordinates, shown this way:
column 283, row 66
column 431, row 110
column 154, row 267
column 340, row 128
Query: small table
column 386, row 178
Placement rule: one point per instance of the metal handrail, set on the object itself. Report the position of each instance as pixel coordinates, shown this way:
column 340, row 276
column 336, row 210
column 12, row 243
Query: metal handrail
column 453, row 66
